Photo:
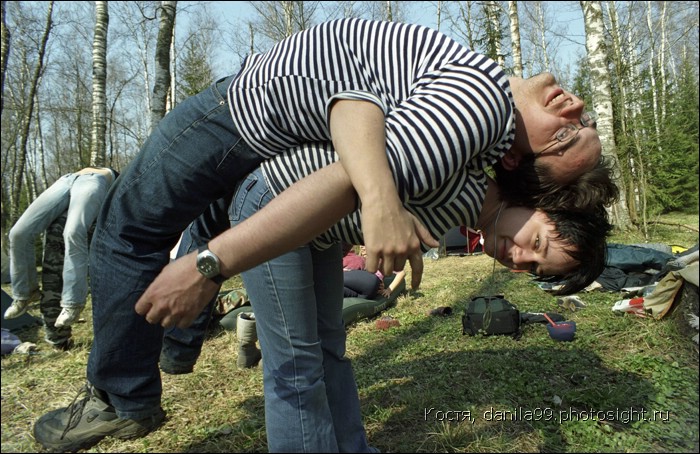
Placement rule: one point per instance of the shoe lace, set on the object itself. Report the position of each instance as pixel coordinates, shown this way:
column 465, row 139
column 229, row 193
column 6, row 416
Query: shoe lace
column 76, row 409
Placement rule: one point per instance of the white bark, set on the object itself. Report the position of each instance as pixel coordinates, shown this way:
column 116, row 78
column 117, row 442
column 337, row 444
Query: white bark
column 602, row 95
column 652, row 76
column 492, row 12
column 161, row 87
column 515, row 38
column 99, row 80
column 662, row 62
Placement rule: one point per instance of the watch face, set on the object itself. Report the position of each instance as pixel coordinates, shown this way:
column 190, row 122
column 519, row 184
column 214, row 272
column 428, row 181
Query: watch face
column 207, row 264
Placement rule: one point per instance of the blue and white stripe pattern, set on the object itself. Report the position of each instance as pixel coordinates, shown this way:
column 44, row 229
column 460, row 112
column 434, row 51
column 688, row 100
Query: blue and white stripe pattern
column 449, row 111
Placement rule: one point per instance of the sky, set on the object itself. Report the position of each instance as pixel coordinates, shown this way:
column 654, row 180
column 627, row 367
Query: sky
column 568, row 15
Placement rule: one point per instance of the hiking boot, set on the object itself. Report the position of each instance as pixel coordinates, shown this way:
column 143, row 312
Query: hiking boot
column 19, row 307
column 68, row 316
column 85, row 422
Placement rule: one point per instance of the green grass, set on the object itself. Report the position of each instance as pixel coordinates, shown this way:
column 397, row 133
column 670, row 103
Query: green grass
column 424, row 386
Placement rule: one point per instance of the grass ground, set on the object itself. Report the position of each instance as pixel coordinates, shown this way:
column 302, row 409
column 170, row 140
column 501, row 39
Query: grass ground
column 625, row 384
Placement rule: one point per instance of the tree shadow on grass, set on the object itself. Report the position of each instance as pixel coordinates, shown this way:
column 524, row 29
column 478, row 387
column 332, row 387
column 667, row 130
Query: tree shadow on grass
column 491, row 393
column 495, row 393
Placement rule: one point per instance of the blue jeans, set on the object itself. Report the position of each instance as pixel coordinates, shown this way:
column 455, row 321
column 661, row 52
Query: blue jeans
column 311, row 399
column 193, row 157
column 81, row 196
column 182, row 347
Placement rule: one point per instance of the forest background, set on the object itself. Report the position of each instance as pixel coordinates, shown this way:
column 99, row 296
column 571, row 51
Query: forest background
column 83, row 83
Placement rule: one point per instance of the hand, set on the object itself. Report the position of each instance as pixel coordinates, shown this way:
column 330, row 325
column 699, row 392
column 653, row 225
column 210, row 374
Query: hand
column 178, row 295
column 394, row 235
column 386, row 293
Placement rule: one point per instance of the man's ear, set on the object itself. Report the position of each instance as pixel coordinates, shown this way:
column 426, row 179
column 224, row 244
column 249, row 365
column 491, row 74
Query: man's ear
column 511, row 160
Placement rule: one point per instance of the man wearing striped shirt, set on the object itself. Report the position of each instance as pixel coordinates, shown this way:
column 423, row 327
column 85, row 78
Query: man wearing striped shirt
column 411, row 114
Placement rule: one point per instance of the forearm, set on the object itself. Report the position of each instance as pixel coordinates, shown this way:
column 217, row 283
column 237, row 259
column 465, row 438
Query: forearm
column 358, row 134
column 390, row 234
column 398, row 278
column 295, row 217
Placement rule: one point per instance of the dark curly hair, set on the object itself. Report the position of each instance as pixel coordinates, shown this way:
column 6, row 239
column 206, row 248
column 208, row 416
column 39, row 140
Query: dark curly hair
column 584, row 235
column 577, row 210
column 531, row 185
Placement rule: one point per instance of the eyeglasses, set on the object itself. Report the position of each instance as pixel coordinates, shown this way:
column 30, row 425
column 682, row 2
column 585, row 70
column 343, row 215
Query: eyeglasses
column 570, row 131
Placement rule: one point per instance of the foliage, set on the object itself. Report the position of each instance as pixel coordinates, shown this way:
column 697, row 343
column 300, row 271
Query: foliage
column 581, row 83
column 195, row 54
column 675, row 167
column 195, row 70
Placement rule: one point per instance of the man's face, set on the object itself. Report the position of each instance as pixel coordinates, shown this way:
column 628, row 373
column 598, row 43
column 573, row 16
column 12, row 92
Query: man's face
column 544, row 108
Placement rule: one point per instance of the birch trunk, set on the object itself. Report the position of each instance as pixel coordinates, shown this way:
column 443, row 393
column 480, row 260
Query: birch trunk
column 492, row 13
column 602, row 98
column 4, row 54
column 652, row 77
column 99, row 81
column 161, row 86
column 542, row 30
column 515, row 38
column 662, row 63
column 465, row 13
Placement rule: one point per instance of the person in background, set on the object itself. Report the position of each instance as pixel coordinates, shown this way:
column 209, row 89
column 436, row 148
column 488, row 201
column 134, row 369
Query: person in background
column 360, row 283
column 80, row 194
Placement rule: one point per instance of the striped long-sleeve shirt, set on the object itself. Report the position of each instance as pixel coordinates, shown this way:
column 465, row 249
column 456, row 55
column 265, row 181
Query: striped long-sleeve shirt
column 449, row 112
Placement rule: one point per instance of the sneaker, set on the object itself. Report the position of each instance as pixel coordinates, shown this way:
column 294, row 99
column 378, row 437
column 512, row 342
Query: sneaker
column 68, row 316
column 85, row 422
column 19, row 307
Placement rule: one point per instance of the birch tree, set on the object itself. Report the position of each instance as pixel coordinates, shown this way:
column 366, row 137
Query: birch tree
column 161, row 87
column 6, row 187
column 99, row 80
column 515, row 39
column 652, row 76
column 277, row 20
column 4, row 54
column 602, row 97
column 464, row 25
column 540, row 58
column 494, row 34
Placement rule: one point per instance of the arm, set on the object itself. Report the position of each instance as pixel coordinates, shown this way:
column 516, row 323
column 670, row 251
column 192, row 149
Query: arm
column 394, row 283
column 390, row 232
column 293, row 218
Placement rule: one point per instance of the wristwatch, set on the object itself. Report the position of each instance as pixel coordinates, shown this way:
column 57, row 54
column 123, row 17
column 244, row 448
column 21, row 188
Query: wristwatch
column 209, row 265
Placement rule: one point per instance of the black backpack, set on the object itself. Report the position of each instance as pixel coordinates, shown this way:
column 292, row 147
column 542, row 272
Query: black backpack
column 491, row 315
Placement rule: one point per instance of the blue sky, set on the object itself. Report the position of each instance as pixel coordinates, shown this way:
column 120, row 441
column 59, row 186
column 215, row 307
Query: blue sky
column 568, row 15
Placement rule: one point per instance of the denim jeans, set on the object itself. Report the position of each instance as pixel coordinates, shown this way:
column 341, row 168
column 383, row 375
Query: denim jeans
column 81, row 196
column 311, row 399
column 193, row 157
column 182, row 347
